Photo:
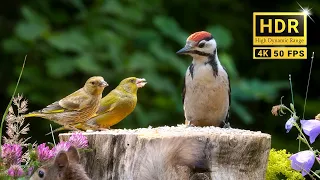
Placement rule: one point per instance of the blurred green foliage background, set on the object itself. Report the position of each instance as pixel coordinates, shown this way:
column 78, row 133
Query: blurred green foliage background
column 69, row 41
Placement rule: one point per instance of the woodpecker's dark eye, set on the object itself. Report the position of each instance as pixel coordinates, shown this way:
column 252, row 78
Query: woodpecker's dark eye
column 132, row 80
column 201, row 44
column 40, row 174
column 92, row 83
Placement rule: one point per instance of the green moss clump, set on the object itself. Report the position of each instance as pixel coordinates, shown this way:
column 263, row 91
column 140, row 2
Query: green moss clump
column 279, row 166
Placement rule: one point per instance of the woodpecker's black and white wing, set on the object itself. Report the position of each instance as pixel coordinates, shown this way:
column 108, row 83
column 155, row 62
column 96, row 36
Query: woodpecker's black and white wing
column 183, row 89
column 227, row 124
column 190, row 69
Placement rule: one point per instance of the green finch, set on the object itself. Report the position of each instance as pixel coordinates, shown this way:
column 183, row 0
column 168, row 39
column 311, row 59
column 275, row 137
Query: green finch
column 115, row 106
column 77, row 107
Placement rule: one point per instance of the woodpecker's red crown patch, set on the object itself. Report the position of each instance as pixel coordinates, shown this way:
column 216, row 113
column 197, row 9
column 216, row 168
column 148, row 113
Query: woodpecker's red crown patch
column 198, row 36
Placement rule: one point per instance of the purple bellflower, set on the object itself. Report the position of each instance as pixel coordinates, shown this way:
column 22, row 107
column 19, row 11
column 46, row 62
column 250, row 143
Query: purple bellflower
column 311, row 128
column 302, row 161
column 289, row 124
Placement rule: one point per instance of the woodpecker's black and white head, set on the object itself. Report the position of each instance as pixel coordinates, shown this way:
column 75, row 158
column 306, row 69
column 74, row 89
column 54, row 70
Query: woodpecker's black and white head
column 200, row 45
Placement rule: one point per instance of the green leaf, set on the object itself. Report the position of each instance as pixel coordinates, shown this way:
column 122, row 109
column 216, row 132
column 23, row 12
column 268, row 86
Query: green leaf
column 31, row 16
column 167, row 57
column 13, row 45
column 78, row 4
column 242, row 112
column 227, row 61
column 222, row 35
column 169, row 27
column 158, row 83
column 73, row 40
column 141, row 61
column 126, row 12
column 60, row 66
column 86, row 63
column 254, row 89
column 30, row 30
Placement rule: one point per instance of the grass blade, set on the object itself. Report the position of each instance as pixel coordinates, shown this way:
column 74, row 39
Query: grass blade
column 14, row 93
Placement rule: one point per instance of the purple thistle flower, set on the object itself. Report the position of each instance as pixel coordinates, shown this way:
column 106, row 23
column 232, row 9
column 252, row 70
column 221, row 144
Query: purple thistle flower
column 11, row 153
column 61, row 146
column 44, row 153
column 311, row 128
column 15, row 171
column 302, row 161
column 289, row 124
column 78, row 140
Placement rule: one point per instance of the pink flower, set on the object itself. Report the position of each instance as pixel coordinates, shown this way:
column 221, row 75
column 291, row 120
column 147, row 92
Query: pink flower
column 78, row 140
column 61, row 146
column 30, row 171
column 11, row 153
column 15, row 171
column 44, row 153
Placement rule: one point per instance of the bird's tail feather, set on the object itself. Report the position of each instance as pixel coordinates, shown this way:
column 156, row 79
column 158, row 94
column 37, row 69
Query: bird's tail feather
column 33, row 114
column 161, row 156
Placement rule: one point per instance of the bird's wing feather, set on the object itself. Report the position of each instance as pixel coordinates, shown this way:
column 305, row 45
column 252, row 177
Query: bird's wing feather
column 108, row 102
column 183, row 89
column 75, row 101
column 53, row 108
column 228, row 115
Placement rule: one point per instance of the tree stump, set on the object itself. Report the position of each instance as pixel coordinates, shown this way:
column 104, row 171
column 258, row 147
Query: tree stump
column 231, row 153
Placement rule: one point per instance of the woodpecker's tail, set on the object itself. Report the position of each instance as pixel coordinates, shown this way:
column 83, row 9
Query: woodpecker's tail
column 161, row 157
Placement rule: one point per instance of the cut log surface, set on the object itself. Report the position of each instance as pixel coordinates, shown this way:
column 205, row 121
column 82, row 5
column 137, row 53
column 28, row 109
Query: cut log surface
column 232, row 154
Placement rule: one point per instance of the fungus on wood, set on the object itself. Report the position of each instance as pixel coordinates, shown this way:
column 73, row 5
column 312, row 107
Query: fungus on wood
column 117, row 154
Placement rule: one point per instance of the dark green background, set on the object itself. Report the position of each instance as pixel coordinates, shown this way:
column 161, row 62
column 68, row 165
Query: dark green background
column 67, row 41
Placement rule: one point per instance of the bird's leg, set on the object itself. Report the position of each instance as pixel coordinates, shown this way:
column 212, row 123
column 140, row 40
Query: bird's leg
column 104, row 128
column 226, row 125
column 70, row 127
column 65, row 127
column 188, row 123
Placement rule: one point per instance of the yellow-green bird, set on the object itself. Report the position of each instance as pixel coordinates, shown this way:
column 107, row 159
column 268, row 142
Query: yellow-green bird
column 76, row 107
column 115, row 106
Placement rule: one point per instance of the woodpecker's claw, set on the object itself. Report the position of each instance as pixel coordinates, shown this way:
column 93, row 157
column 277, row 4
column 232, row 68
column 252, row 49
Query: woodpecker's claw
column 226, row 125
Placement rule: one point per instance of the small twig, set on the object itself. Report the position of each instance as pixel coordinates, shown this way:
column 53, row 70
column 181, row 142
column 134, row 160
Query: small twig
column 54, row 142
column 290, row 82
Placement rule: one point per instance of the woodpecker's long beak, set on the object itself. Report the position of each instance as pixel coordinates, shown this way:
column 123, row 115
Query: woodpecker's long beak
column 185, row 50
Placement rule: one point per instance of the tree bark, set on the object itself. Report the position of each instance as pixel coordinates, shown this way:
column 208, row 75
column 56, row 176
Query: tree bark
column 231, row 153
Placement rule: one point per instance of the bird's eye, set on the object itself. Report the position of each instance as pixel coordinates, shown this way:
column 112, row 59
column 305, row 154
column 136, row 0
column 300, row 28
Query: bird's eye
column 92, row 83
column 201, row 44
column 41, row 174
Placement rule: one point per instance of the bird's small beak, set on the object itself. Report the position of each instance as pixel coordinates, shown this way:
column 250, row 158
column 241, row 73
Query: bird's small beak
column 184, row 50
column 103, row 84
column 141, row 82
